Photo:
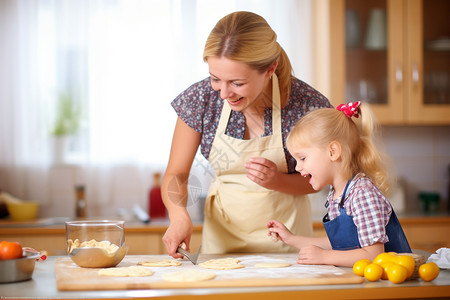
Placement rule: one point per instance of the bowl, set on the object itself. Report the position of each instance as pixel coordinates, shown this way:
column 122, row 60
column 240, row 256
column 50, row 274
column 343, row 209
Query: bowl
column 22, row 211
column 96, row 244
column 20, row 269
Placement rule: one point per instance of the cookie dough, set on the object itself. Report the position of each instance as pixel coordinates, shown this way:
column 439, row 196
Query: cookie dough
column 105, row 245
column 132, row 271
column 159, row 263
column 274, row 237
column 222, row 264
column 188, row 276
column 272, row 265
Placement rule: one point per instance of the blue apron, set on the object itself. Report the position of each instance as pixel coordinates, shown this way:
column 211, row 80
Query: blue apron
column 343, row 233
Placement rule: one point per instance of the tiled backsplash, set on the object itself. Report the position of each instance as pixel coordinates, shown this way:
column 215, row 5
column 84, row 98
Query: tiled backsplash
column 421, row 157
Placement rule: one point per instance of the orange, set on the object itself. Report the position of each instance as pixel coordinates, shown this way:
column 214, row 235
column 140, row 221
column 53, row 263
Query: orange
column 373, row 272
column 428, row 271
column 383, row 258
column 10, row 250
column 397, row 273
column 359, row 266
column 406, row 261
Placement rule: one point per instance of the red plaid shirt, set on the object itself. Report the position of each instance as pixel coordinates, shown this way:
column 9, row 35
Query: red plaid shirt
column 369, row 207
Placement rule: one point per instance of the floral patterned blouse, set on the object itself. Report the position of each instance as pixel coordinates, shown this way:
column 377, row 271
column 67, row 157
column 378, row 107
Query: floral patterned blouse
column 200, row 107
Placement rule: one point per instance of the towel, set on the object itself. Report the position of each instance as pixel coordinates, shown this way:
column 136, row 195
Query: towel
column 441, row 258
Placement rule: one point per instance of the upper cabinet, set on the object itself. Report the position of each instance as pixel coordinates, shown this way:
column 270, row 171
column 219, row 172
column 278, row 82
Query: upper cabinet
column 393, row 54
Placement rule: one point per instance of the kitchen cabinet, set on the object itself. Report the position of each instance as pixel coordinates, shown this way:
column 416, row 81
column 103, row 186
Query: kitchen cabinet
column 393, row 54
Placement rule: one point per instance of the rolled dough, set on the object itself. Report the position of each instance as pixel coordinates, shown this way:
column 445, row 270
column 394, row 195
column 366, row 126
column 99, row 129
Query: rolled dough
column 159, row 263
column 272, row 265
column 222, row 264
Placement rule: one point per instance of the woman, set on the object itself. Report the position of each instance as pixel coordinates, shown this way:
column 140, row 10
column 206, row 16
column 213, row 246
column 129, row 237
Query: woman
column 240, row 116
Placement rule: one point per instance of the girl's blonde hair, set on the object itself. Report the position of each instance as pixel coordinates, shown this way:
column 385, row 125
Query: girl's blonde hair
column 247, row 37
column 355, row 135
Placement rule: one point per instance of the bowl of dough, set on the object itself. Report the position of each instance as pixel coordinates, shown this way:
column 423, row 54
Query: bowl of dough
column 96, row 243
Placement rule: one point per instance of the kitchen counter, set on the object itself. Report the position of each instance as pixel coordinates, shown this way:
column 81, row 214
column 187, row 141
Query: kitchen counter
column 43, row 285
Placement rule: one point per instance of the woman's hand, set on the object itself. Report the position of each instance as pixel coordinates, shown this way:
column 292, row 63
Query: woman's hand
column 179, row 231
column 263, row 172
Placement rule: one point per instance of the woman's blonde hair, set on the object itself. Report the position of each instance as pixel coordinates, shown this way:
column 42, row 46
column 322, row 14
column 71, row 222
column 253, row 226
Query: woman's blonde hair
column 247, row 37
column 355, row 135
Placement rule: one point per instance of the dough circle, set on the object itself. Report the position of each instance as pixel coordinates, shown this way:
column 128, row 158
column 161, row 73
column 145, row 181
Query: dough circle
column 221, row 264
column 159, row 263
column 272, row 265
column 188, row 276
column 132, row 271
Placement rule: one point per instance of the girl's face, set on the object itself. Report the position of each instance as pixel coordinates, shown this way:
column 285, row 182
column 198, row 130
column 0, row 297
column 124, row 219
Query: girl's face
column 237, row 83
column 314, row 162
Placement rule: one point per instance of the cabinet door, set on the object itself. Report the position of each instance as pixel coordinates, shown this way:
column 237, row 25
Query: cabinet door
column 428, row 67
column 367, row 55
column 394, row 55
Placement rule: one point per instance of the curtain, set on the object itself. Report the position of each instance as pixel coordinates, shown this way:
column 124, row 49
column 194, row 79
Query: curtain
column 105, row 72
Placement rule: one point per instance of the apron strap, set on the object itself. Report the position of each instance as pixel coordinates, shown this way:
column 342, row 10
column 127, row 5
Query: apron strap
column 341, row 204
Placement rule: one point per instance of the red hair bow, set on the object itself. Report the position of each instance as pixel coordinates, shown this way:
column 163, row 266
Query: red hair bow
column 350, row 109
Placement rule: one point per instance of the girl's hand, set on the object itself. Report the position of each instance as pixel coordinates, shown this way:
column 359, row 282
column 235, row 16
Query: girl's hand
column 263, row 172
column 311, row 255
column 283, row 233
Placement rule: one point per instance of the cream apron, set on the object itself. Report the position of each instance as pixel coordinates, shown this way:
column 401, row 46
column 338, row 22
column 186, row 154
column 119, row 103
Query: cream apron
column 237, row 209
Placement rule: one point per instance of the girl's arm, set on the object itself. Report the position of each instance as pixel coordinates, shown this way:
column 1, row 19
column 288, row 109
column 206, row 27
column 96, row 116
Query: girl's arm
column 174, row 186
column 313, row 255
column 265, row 173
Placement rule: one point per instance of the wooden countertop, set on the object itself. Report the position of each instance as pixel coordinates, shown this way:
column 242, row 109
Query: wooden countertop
column 43, row 285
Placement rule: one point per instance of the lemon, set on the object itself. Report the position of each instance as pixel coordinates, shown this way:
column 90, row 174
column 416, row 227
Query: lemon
column 359, row 266
column 429, row 271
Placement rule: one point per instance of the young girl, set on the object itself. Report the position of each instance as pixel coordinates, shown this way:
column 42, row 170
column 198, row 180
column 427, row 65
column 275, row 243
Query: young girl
column 332, row 149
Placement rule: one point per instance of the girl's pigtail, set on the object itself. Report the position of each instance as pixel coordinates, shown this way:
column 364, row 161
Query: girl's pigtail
column 371, row 160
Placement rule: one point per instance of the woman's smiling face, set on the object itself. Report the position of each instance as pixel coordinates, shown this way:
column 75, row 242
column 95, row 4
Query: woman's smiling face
column 237, row 82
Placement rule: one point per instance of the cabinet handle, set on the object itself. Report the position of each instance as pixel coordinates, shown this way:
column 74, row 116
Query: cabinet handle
column 415, row 73
column 398, row 74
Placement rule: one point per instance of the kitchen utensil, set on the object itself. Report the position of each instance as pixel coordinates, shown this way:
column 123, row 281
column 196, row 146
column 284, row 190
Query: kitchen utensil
column 376, row 38
column 23, row 211
column 89, row 257
column 20, row 269
column 87, row 242
column 192, row 257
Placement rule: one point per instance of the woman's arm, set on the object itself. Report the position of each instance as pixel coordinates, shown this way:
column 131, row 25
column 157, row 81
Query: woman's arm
column 265, row 173
column 174, row 190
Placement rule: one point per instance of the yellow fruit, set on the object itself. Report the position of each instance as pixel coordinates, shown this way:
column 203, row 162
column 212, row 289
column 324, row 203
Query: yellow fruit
column 385, row 267
column 406, row 261
column 373, row 272
column 359, row 266
column 383, row 258
column 397, row 273
column 428, row 271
